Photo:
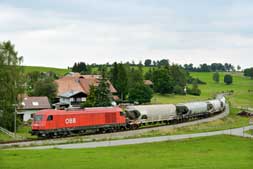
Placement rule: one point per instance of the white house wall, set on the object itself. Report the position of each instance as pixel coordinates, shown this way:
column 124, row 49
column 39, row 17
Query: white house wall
column 27, row 114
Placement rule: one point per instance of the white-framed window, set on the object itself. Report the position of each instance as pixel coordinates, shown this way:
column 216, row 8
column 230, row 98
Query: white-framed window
column 35, row 103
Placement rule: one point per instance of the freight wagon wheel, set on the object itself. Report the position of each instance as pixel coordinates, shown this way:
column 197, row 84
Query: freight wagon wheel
column 101, row 130
column 122, row 128
column 134, row 126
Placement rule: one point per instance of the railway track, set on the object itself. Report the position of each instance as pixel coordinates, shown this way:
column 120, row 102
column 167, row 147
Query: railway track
column 114, row 135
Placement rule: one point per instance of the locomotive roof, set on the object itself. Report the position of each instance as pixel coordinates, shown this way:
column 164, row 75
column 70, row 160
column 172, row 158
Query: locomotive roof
column 77, row 111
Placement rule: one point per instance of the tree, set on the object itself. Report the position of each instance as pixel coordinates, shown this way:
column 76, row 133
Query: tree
column 238, row 67
column 195, row 90
column 154, row 63
column 140, row 93
column 216, row 77
column 228, row 79
column 91, row 98
column 163, row 81
column 163, row 62
column 149, row 74
column 189, row 67
column 178, row 89
column 103, row 94
column 122, row 84
column 45, row 87
column 148, row 62
column 99, row 96
column 249, row 72
column 179, row 75
column 205, row 68
column 82, row 68
column 12, row 83
column 33, row 77
column 114, row 72
column 135, row 77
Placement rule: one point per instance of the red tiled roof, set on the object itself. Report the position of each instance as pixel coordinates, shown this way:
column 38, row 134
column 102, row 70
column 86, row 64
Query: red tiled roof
column 79, row 82
column 68, row 83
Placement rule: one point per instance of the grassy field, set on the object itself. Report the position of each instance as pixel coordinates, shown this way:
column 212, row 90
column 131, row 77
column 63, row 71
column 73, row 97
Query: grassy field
column 4, row 137
column 240, row 86
column 58, row 71
column 22, row 131
column 249, row 132
column 223, row 152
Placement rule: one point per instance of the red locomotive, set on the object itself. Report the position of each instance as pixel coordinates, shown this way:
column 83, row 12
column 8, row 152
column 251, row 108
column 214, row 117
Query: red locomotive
column 49, row 123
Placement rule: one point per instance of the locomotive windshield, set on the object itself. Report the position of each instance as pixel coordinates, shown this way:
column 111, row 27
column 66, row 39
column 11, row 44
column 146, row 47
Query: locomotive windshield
column 37, row 117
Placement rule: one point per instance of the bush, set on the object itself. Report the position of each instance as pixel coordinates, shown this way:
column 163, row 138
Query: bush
column 178, row 89
column 216, row 77
column 228, row 79
column 197, row 80
column 194, row 91
column 140, row 94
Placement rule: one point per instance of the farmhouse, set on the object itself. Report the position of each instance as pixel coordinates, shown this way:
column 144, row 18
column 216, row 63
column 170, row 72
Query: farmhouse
column 74, row 88
column 30, row 105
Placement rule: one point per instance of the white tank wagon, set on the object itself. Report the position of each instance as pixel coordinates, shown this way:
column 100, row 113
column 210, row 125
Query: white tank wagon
column 193, row 109
column 152, row 113
column 217, row 105
column 223, row 102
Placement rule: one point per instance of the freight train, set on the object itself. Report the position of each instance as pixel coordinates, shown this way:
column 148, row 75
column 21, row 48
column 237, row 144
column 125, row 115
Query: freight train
column 58, row 123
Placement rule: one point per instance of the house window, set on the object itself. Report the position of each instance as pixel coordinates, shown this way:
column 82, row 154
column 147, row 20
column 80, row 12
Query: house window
column 83, row 99
column 35, row 103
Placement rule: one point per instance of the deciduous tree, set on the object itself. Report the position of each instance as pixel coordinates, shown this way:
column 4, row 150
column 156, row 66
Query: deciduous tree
column 11, row 81
column 216, row 77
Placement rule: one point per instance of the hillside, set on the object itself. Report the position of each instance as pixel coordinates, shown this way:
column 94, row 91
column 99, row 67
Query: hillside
column 240, row 86
column 58, row 71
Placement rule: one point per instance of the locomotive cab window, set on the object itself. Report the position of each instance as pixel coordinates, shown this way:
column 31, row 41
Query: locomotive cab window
column 50, row 117
column 122, row 113
column 37, row 117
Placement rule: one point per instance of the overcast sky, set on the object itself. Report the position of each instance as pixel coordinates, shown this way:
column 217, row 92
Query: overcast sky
column 60, row 32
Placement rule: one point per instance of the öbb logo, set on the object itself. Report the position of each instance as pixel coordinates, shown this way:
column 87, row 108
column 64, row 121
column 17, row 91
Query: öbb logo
column 70, row 120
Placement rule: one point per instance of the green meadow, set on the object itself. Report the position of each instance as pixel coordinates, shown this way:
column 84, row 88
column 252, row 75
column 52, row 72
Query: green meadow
column 223, row 152
column 240, row 98
column 58, row 71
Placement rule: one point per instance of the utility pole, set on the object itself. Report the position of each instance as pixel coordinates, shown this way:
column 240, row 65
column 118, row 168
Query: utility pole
column 15, row 123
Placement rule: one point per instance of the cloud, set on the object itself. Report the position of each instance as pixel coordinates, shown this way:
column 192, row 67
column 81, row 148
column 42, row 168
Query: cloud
column 50, row 34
